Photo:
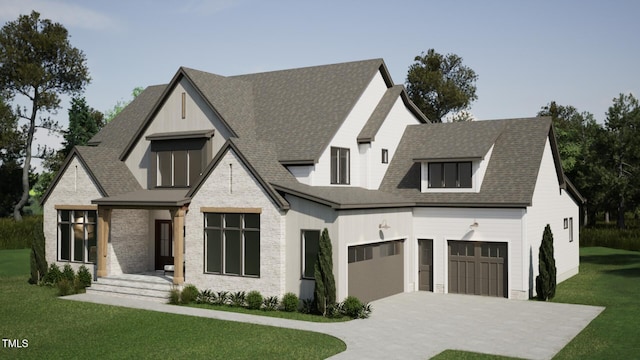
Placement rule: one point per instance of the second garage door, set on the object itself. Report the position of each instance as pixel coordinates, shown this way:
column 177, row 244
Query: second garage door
column 376, row 270
column 478, row 268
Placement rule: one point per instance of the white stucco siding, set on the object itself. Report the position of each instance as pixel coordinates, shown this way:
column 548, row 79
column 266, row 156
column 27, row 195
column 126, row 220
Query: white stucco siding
column 74, row 187
column 231, row 185
column 347, row 134
column 306, row 215
column 494, row 225
column 388, row 137
column 551, row 205
column 357, row 227
column 169, row 119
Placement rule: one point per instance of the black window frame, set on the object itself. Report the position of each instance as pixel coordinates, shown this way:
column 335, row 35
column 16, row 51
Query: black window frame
column 385, row 156
column 447, row 175
column 187, row 154
column 340, row 166
column 221, row 231
column 307, row 268
column 81, row 234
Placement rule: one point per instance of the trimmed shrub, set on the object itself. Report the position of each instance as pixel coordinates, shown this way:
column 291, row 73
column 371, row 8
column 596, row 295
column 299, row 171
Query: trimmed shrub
column 238, row 299
column 254, row 300
column 68, row 273
column 325, row 285
column 351, row 307
column 84, row 277
column 174, row 296
column 38, row 263
column 54, row 275
column 271, row 303
column 189, row 294
column 546, row 280
column 65, row 287
column 290, row 302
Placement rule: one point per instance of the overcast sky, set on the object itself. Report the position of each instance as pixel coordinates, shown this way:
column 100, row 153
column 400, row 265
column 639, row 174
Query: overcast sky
column 526, row 53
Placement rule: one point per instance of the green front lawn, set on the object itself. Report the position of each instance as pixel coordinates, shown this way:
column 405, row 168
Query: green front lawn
column 608, row 277
column 57, row 329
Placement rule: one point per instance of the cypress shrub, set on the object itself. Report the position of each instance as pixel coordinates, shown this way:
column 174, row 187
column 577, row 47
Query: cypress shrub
column 325, row 287
column 84, row 277
column 68, row 273
column 546, row 280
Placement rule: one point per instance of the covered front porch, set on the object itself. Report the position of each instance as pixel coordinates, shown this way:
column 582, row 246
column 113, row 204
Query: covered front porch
column 141, row 232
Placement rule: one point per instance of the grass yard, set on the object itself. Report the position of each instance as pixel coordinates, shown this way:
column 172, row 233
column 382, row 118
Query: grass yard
column 608, row 277
column 60, row 329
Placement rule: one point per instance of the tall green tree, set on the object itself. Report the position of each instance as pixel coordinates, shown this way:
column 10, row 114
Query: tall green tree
column 325, row 287
column 580, row 144
column 439, row 84
column 10, row 168
column 38, row 63
column 120, row 105
column 84, row 123
column 546, row 279
column 622, row 123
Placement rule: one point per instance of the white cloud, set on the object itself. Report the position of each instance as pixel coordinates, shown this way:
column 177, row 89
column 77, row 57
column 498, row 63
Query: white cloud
column 69, row 15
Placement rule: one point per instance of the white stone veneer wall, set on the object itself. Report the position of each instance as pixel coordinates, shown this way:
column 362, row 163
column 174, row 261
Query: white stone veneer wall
column 235, row 187
column 75, row 187
column 128, row 243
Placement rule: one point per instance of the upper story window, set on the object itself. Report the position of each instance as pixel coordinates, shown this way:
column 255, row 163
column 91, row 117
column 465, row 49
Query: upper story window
column 177, row 159
column 450, row 174
column 385, row 156
column 340, row 165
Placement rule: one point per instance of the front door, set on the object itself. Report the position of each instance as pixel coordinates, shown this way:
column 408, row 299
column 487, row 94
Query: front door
column 425, row 265
column 164, row 244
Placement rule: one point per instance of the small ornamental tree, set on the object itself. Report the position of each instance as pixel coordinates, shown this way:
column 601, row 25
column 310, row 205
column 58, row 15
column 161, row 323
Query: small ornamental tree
column 546, row 280
column 325, row 288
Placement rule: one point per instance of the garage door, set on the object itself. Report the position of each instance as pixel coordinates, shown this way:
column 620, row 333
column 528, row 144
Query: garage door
column 376, row 270
column 478, row 268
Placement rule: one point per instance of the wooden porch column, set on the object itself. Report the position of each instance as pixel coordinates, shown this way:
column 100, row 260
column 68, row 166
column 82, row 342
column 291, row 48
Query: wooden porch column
column 177, row 216
column 104, row 222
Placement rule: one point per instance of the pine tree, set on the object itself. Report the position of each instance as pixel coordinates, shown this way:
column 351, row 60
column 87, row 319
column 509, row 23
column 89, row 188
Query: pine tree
column 546, row 280
column 325, row 288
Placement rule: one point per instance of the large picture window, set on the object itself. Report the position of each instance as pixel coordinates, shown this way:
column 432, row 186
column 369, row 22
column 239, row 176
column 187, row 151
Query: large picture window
column 310, row 247
column 450, row 174
column 77, row 236
column 340, row 165
column 232, row 244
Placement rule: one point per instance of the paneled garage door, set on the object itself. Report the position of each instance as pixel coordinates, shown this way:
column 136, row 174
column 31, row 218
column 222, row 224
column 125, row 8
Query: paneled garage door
column 376, row 270
column 478, row 268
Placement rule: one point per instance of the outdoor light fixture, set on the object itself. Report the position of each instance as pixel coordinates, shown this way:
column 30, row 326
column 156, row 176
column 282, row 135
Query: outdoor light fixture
column 474, row 225
column 383, row 225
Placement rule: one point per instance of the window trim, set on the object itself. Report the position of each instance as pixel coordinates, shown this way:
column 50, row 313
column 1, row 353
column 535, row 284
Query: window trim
column 303, row 252
column 338, row 155
column 71, row 224
column 243, row 243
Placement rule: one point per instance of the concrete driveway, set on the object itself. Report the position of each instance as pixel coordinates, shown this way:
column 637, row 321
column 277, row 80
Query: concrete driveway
column 421, row 324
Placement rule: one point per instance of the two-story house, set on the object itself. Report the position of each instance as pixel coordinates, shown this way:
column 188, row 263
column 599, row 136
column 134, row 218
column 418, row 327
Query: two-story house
column 232, row 179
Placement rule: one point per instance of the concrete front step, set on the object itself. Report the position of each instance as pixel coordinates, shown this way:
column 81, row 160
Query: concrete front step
column 140, row 287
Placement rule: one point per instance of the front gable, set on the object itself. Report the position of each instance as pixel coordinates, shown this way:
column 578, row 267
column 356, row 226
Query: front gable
column 182, row 109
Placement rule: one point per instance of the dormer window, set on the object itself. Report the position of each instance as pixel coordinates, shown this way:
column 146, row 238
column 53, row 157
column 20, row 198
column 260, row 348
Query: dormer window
column 178, row 159
column 450, row 175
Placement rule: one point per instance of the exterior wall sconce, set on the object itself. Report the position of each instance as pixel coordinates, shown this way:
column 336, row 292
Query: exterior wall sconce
column 474, row 225
column 383, row 225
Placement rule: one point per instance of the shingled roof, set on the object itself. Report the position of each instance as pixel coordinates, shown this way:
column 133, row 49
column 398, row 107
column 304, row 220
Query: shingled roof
column 511, row 173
